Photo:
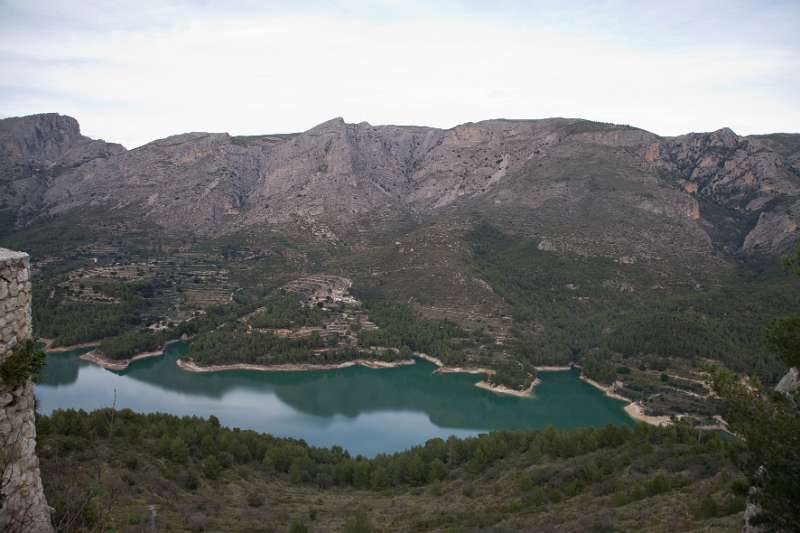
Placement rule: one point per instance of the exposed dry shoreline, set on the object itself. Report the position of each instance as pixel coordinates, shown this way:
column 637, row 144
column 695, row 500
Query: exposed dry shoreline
column 501, row 389
column 609, row 390
column 634, row 409
column 48, row 346
column 122, row 364
column 483, row 384
column 443, row 369
column 191, row 366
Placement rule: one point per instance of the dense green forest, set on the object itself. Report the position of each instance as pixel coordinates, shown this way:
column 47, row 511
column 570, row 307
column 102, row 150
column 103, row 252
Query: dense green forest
column 532, row 472
column 235, row 343
column 133, row 342
column 768, row 421
column 585, row 305
column 210, row 448
column 400, row 326
column 71, row 322
column 126, row 343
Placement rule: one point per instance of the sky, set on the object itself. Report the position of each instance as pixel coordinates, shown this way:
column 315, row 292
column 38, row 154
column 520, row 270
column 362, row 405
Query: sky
column 132, row 72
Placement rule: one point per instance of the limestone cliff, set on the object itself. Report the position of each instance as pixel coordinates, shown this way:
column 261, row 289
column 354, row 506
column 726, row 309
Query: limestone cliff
column 742, row 194
column 33, row 150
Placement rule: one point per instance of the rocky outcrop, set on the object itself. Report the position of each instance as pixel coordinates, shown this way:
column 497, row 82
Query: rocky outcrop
column 50, row 139
column 33, row 150
column 790, row 382
column 748, row 176
column 22, row 502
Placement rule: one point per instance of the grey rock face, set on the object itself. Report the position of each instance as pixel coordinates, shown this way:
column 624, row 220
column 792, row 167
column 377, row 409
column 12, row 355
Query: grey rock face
column 50, row 139
column 336, row 175
column 742, row 174
column 790, row 382
column 35, row 148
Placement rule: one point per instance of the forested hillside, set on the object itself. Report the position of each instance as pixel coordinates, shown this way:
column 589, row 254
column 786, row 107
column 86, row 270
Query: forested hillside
column 120, row 470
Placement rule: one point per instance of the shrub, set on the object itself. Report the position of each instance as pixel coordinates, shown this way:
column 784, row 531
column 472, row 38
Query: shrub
column 212, row 467
column 26, row 361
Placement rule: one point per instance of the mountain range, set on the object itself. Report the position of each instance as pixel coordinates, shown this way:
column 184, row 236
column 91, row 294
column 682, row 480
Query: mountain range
column 578, row 186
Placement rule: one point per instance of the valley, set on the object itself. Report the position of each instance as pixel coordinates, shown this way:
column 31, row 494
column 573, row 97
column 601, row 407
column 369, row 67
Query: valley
column 302, row 289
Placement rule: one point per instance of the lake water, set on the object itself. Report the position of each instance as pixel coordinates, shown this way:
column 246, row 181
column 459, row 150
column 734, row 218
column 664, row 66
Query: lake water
column 366, row 411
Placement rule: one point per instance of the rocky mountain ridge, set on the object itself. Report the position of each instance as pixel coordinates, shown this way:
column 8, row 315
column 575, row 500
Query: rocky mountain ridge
column 540, row 176
column 35, row 149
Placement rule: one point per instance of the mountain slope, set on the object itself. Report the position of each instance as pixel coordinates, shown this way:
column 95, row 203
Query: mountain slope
column 547, row 174
column 133, row 471
column 33, row 150
column 547, row 241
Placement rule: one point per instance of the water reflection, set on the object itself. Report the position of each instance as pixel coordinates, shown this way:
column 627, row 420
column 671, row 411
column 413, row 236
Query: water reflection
column 366, row 411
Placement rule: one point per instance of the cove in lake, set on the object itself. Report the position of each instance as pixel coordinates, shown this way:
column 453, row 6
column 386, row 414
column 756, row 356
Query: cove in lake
column 363, row 410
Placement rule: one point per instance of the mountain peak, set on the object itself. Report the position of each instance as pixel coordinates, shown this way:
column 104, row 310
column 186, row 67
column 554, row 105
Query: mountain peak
column 335, row 123
column 50, row 138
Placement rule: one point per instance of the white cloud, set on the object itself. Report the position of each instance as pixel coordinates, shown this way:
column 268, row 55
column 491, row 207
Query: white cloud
column 133, row 77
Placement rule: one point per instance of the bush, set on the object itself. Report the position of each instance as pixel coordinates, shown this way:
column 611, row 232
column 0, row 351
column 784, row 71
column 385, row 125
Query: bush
column 211, row 467
column 178, row 451
column 26, row 361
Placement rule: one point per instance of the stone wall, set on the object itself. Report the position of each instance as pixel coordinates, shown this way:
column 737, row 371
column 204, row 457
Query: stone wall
column 22, row 503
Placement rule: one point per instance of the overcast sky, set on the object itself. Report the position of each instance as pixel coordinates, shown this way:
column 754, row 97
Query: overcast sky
column 132, row 72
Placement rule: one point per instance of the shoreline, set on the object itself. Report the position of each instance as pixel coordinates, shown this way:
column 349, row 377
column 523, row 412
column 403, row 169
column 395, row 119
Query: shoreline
column 502, row 389
column 482, row 384
column 634, row 409
column 464, row 370
column 444, row 369
column 122, row 364
column 60, row 349
column 190, row 366
column 609, row 390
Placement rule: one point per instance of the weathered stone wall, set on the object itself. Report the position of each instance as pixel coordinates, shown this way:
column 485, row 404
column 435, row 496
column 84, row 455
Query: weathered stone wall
column 22, row 503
